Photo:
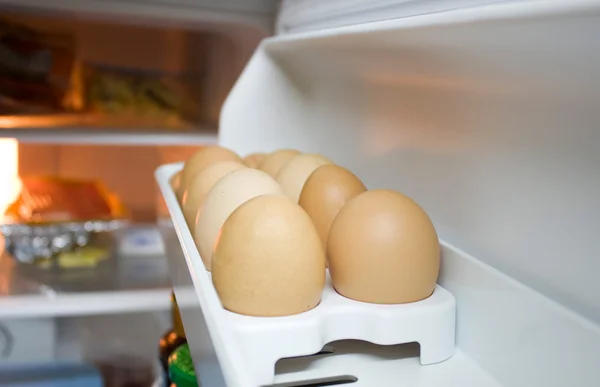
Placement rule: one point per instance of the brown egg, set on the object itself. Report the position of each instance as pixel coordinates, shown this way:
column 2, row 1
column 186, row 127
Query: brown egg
column 174, row 182
column 201, row 183
column 295, row 172
column 383, row 249
column 269, row 260
column 254, row 159
column 324, row 194
column 202, row 159
column 274, row 161
column 223, row 198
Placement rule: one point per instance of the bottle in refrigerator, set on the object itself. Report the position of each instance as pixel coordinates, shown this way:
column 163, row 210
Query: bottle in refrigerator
column 172, row 339
column 181, row 368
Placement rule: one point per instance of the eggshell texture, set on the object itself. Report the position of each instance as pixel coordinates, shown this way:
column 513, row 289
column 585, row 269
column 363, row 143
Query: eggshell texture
column 274, row 161
column 383, row 249
column 294, row 174
column 223, row 198
column 254, row 159
column 324, row 194
column 200, row 185
column 200, row 160
column 269, row 260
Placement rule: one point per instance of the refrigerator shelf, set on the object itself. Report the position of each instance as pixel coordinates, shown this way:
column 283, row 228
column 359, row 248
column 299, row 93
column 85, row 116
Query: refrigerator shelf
column 85, row 128
column 259, row 342
column 265, row 340
column 126, row 281
column 110, row 301
column 85, row 136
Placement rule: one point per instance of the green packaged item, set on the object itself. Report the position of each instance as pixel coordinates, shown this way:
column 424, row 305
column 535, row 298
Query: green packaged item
column 181, row 368
column 171, row 340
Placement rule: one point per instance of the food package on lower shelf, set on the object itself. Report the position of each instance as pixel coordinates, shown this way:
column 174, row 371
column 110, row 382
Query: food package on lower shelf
column 55, row 200
column 133, row 93
column 53, row 216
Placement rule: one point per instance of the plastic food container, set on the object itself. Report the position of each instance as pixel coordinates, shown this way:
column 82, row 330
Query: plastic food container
column 52, row 216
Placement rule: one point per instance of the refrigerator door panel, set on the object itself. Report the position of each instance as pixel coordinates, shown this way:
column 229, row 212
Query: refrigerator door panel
column 487, row 117
column 309, row 15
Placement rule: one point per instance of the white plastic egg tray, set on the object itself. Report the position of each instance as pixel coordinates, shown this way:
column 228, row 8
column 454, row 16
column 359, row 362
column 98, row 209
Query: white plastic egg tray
column 262, row 341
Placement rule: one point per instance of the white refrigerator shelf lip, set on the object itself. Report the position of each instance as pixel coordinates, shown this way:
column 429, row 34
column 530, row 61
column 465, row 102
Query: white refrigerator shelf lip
column 261, row 341
column 497, row 11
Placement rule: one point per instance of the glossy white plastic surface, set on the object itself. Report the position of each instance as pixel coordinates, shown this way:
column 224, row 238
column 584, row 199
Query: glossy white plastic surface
column 487, row 117
column 261, row 341
column 381, row 366
column 309, row 15
column 519, row 336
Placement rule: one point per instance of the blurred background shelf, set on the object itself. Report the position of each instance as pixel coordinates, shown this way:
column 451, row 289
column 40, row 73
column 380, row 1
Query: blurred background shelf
column 108, row 137
column 128, row 80
column 102, row 302
column 85, row 136
column 195, row 49
column 119, row 283
column 104, row 130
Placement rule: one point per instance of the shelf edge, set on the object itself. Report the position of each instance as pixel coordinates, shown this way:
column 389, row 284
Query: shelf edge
column 84, row 304
column 100, row 137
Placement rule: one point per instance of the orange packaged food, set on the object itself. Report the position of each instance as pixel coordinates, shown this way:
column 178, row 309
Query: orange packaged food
column 58, row 200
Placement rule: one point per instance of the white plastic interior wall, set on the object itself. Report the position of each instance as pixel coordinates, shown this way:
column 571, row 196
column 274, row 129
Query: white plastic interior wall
column 489, row 118
column 489, row 124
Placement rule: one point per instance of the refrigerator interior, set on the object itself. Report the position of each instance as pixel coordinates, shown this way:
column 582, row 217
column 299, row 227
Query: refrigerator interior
column 486, row 116
column 493, row 138
column 118, row 312
column 203, row 57
column 208, row 53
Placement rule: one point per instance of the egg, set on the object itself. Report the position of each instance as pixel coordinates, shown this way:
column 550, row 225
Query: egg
column 200, row 160
column 383, row 248
column 274, row 161
column 223, row 198
column 324, row 194
column 200, row 185
column 174, row 181
column 269, row 260
column 295, row 172
column 254, row 159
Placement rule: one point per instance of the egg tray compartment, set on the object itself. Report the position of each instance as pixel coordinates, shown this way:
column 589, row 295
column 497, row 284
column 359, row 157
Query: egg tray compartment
column 262, row 341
